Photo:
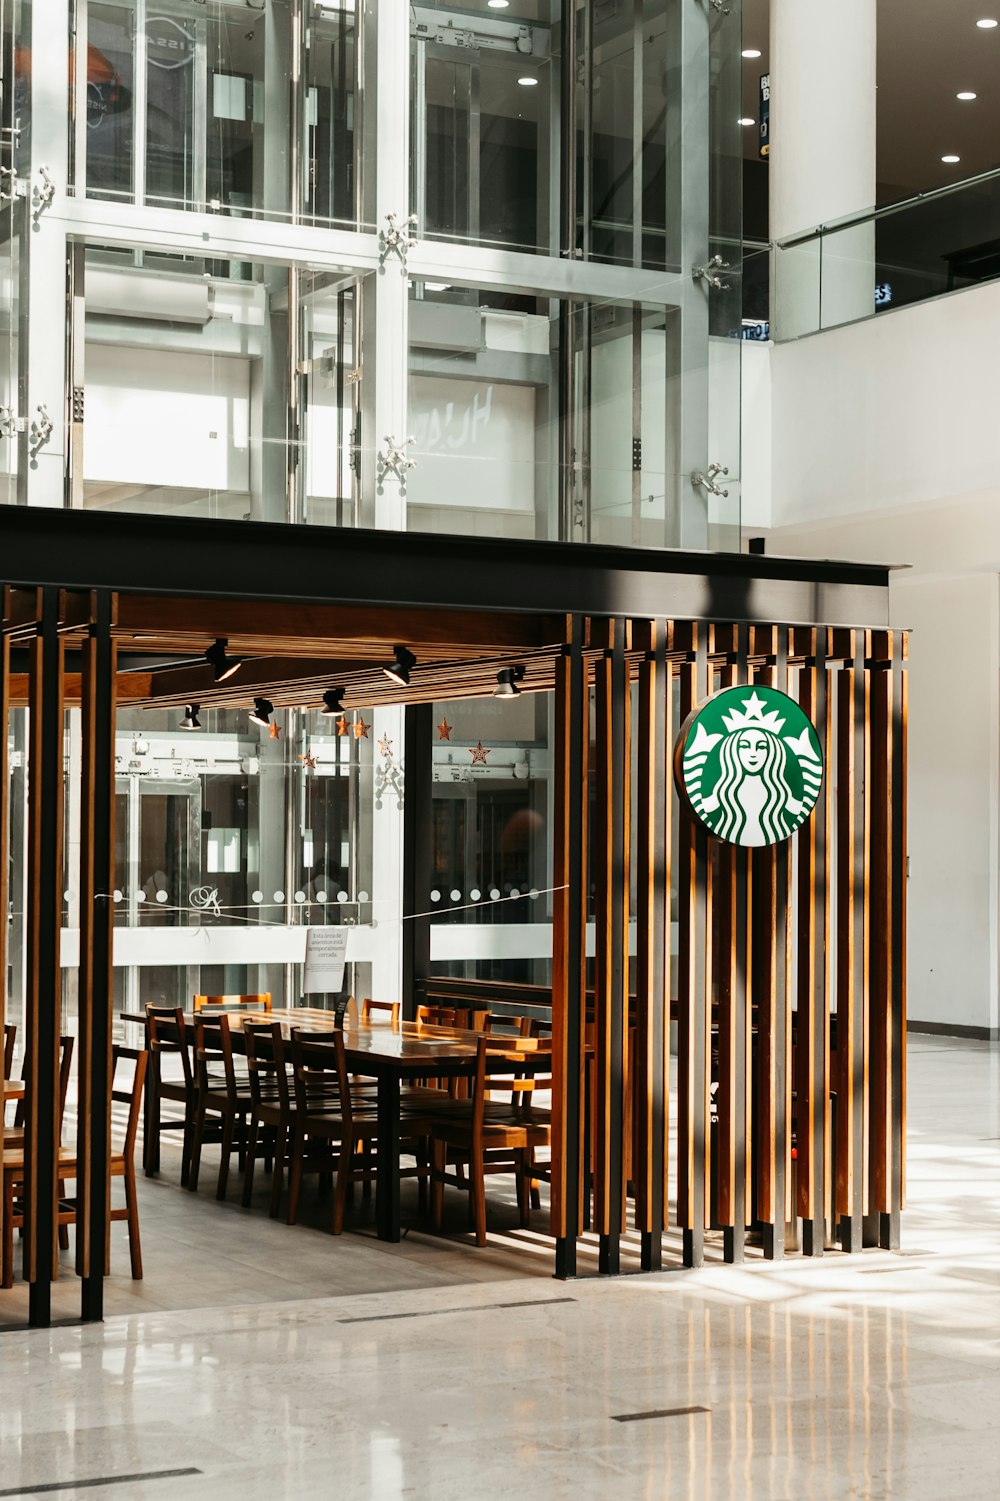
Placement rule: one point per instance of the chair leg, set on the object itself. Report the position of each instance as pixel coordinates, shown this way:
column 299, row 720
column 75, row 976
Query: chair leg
column 134, row 1248
column 280, row 1139
column 250, row 1163
column 345, row 1180
column 228, row 1130
column 295, row 1177
column 477, row 1183
column 523, row 1172
column 198, row 1134
column 7, row 1279
column 437, row 1186
column 64, row 1237
column 186, row 1149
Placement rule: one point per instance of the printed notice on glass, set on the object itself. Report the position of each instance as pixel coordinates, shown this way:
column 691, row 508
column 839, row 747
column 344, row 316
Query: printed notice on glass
column 326, row 955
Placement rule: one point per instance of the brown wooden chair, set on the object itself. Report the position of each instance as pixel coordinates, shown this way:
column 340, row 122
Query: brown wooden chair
column 328, row 1114
column 120, row 1165
column 66, row 1044
column 272, row 1105
column 380, row 1011
column 261, row 1002
column 490, row 1136
column 169, row 1037
column 219, row 1091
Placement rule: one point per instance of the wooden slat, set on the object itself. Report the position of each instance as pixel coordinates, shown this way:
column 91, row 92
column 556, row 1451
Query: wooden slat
column 4, row 843
column 852, row 944
column 813, row 997
column 694, row 985
column 570, row 757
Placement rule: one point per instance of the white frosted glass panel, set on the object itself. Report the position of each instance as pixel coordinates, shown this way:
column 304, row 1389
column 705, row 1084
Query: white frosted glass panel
column 475, row 444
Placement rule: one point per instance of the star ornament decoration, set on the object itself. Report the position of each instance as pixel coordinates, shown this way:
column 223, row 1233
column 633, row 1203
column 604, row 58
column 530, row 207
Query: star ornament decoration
column 342, row 726
column 308, row 761
column 444, row 730
column 479, row 754
column 385, row 746
column 274, row 731
column 360, row 728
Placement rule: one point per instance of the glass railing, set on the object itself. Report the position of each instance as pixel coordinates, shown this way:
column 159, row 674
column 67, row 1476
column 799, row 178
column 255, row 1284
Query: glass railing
column 891, row 257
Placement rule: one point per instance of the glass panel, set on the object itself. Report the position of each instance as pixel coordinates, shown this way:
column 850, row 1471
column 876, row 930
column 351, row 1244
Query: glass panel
column 202, row 108
column 9, row 386
column 484, row 91
column 192, row 405
column 492, row 847
column 484, row 411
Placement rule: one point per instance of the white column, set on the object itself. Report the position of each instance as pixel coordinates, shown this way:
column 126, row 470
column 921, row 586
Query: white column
column 822, row 161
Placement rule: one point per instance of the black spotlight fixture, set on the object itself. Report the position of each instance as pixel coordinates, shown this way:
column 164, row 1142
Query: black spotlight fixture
column 222, row 664
column 399, row 671
column 191, row 720
column 262, row 711
column 507, row 681
column 333, row 702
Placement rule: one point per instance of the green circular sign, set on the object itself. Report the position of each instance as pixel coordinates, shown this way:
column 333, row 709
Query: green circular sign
column 750, row 765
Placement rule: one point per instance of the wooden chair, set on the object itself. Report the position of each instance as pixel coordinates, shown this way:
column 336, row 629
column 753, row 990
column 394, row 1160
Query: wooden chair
column 169, row 1037
column 220, row 1092
column 120, row 1165
column 260, row 1002
column 328, row 1114
column 66, row 1045
column 372, row 1010
column 272, row 1107
column 9, row 1034
column 490, row 1136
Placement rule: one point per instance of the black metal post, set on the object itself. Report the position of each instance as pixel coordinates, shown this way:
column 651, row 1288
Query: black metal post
column 417, row 851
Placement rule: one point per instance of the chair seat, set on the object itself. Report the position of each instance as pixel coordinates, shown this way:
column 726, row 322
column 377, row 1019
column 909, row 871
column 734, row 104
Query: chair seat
column 502, row 1126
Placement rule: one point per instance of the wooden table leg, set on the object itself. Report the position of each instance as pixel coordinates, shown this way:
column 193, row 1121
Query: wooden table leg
column 387, row 1175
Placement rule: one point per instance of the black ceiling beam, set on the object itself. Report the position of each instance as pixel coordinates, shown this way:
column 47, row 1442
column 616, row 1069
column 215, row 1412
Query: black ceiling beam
column 147, row 554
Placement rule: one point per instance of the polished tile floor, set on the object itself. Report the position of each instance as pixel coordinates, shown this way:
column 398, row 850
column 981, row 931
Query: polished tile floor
column 876, row 1377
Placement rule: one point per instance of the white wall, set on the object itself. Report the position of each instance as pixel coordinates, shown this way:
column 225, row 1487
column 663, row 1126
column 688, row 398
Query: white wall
column 885, row 447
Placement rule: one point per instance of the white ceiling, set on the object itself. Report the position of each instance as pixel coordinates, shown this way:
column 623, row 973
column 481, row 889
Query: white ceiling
column 927, row 51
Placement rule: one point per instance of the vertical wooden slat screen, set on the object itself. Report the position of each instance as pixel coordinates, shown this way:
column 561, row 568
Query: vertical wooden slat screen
column 97, row 873
column 652, row 964
column 569, row 910
column 43, row 975
column 694, row 990
column 812, row 1077
column 611, row 968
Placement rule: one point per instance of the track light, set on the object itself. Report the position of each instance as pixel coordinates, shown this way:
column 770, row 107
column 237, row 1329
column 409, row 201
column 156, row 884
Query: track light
column 333, row 702
column 262, row 711
column 399, row 671
column 191, row 720
column 220, row 662
column 507, row 681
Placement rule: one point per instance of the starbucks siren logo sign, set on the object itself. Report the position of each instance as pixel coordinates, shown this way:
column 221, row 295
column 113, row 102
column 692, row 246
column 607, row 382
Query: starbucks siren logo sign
column 750, row 765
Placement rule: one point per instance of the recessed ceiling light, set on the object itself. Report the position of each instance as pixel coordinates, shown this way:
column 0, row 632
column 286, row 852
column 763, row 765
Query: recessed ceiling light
column 751, row 52
column 987, row 24
column 965, row 94
column 950, row 160
column 527, row 82
column 743, row 121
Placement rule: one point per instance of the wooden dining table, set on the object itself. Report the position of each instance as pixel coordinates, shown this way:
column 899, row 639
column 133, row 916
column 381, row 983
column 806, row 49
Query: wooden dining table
column 391, row 1055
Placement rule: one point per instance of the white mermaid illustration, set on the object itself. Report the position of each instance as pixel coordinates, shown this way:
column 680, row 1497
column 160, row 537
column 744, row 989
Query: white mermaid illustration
column 752, row 785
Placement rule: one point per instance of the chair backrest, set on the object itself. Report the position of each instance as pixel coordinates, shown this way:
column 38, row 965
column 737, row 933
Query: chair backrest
column 132, row 1095
column 65, row 1068
column 9, row 1034
column 266, row 1062
column 261, row 1002
column 213, row 1044
column 451, row 1016
column 380, row 1010
column 510, row 1065
column 168, row 1034
column 319, row 1063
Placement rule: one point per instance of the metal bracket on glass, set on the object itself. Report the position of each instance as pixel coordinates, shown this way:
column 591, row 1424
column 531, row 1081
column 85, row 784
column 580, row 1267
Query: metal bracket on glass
column 11, row 185
column 389, row 779
column 397, row 240
column 721, row 7
column 709, row 273
column 706, row 481
column 41, row 431
column 10, row 423
column 42, row 194
column 392, row 460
